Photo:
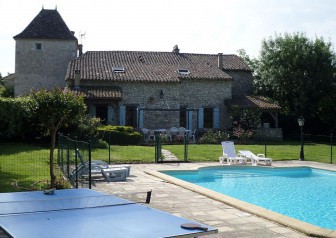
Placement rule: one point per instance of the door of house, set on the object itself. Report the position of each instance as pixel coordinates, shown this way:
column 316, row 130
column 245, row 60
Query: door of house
column 101, row 112
column 131, row 116
column 183, row 117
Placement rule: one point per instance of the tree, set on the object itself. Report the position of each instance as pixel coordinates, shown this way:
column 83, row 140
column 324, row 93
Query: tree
column 251, row 62
column 296, row 72
column 327, row 110
column 53, row 109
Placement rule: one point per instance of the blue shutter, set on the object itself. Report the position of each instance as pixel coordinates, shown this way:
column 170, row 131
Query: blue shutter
column 141, row 119
column 110, row 115
column 200, row 117
column 189, row 120
column 122, row 115
column 216, row 118
column 92, row 111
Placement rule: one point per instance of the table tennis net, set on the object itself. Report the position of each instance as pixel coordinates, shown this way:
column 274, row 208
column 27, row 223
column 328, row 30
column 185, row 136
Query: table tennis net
column 62, row 204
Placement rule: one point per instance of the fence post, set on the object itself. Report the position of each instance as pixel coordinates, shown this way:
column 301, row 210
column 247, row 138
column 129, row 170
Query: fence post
column 61, row 153
column 157, row 147
column 90, row 164
column 58, row 148
column 331, row 148
column 265, row 145
column 109, row 146
column 185, row 139
column 76, row 163
column 68, row 161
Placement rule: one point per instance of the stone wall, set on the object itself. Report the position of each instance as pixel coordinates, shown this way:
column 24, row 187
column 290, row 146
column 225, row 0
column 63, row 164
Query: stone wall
column 196, row 93
column 45, row 68
column 190, row 93
column 148, row 95
column 242, row 83
column 271, row 134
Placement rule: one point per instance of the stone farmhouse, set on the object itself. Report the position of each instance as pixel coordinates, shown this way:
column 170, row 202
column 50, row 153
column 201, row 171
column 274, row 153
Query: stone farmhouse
column 136, row 88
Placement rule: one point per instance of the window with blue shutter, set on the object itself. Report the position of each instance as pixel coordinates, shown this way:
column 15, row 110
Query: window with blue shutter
column 110, row 115
column 200, row 117
column 141, row 119
column 189, row 120
column 122, row 115
column 216, row 118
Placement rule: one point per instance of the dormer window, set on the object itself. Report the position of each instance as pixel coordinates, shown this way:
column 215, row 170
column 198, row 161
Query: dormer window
column 38, row 46
column 183, row 71
column 118, row 69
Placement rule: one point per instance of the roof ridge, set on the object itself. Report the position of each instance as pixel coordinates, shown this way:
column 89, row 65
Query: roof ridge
column 140, row 51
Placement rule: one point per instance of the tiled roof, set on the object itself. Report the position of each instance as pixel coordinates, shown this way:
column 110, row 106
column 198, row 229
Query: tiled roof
column 48, row 24
column 253, row 102
column 152, row 66
column 100, row 92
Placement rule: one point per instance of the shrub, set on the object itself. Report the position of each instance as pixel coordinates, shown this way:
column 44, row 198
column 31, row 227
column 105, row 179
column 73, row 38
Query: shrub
column 242, row 134
column 213, row 137
column 245, row 123
column 86, row 129
column 14, row 118
column 120, row 135
column 61, row 182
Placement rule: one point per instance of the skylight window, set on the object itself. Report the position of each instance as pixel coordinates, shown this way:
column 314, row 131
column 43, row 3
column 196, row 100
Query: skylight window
column 118, row 69
column 183, row 71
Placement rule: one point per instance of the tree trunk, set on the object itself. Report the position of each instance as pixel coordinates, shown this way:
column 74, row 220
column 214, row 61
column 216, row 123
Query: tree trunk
column 52, row 148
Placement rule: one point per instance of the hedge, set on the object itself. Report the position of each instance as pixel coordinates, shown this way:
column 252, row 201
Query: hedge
column 14, row 117
column 120, row 135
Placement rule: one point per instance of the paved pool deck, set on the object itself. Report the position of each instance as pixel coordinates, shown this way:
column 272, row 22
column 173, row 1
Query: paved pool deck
column 230, row 221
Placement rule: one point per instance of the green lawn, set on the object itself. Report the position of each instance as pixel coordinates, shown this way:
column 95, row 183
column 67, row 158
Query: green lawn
column 27, row 164
column 279, row 151
column 125, row 154
column 22, row 163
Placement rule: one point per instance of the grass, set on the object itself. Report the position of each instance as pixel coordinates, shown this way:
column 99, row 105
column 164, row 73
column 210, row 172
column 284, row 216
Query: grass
column 125, row 154
column 288, row 150
column 23, row 164
column 27, row 164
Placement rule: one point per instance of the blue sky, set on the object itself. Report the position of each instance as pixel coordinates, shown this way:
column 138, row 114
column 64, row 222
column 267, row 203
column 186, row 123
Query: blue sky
column 196, row 26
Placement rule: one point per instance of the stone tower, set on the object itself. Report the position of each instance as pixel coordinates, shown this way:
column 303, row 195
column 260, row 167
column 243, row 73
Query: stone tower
column 42, row 53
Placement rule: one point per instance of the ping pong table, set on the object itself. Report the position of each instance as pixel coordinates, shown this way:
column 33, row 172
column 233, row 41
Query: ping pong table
column 87, row 213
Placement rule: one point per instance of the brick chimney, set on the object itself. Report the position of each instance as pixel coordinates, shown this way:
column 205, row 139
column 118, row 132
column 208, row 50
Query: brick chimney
column 220, row 61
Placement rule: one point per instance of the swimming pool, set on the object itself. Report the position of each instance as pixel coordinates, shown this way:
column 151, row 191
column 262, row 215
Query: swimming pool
column 302, row 193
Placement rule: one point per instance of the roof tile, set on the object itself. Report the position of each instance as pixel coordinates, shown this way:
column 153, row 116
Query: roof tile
column 152, row 66
column 48, row 24
column 253, row 102
column 100, row 92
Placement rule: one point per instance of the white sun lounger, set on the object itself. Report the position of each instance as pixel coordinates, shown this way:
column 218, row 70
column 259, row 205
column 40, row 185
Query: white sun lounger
column 229, row 153
column 98, row 167
column 255, row 158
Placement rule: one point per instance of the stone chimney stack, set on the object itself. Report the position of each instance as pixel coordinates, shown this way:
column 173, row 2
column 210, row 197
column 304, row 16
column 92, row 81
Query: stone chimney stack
column 77, row 79
column 80, row 49
column 176, row 50
column 220, row 61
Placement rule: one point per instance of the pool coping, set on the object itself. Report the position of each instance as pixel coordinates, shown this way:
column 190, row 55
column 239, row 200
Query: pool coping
column 298, row 225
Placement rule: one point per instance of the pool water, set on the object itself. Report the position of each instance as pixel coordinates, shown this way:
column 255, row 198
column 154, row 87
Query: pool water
column 302, row 193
